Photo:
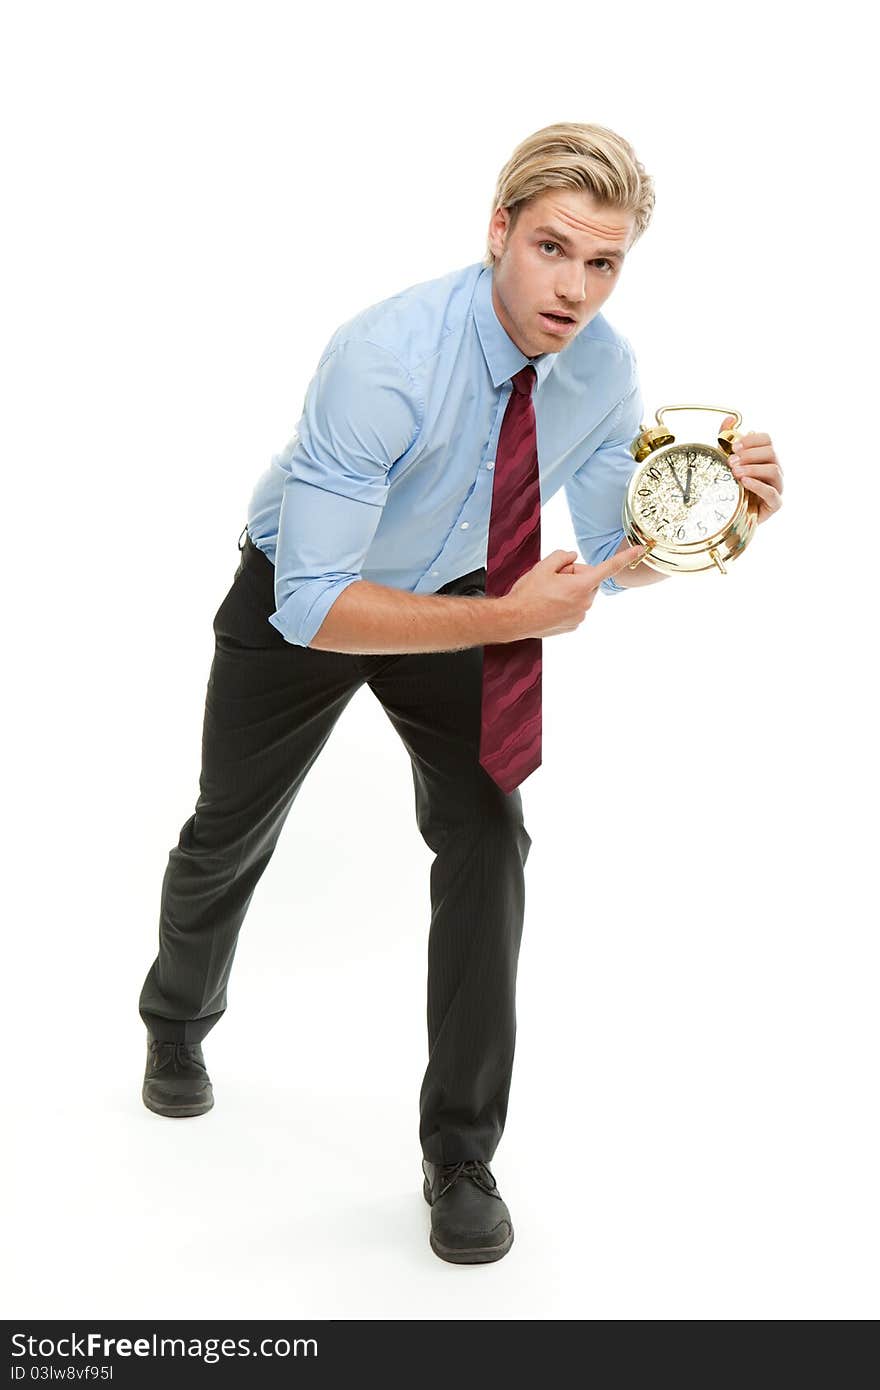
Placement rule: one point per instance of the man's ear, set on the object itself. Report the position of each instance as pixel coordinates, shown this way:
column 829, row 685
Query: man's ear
column 499, row 225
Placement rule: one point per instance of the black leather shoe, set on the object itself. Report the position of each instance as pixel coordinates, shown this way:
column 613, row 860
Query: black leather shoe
column 470, row 1224
column 176, row 1081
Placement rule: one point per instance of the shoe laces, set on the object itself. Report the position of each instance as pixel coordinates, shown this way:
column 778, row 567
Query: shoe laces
column 174, row 1056
column 473, row 1168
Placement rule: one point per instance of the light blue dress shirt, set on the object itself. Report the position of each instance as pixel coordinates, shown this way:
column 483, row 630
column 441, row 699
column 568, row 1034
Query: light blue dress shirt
column 388, row 476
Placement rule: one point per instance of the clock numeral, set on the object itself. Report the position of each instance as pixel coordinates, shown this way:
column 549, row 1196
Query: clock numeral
column 654, row 473
column 644, row 492
column 720, row 515
column 701, row 528
column 679, row 535
column 691, row 456
column 725, row 498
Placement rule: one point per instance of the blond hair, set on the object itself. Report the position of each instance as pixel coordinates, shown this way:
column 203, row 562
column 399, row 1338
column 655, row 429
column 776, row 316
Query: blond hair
column 591, row 158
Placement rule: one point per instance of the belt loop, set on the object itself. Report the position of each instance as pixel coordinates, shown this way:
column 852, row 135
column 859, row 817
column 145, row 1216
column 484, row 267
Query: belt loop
column 243, row 533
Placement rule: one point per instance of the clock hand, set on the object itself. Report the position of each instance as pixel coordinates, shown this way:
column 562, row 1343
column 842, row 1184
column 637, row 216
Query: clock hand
column 675, row 476
column 687, row 490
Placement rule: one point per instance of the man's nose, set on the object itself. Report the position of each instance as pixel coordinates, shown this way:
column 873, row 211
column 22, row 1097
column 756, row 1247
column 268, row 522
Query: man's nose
column 572, row 286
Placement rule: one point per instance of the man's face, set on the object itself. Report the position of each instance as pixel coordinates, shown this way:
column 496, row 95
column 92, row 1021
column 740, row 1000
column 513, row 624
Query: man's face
column 569, row 273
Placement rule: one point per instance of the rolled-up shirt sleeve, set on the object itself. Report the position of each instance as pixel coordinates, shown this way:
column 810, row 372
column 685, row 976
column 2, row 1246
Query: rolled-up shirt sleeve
column 595, row 492
column 361, row 413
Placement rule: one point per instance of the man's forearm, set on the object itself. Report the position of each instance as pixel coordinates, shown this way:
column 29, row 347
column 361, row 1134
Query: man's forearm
column 630, row 578
column 370, row 619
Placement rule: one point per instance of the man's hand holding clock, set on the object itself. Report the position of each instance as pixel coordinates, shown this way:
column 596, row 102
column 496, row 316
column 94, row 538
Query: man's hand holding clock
column 699, row 489
column 755, row 464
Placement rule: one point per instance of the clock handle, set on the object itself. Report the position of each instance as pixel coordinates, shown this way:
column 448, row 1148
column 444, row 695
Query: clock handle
column 716, row 409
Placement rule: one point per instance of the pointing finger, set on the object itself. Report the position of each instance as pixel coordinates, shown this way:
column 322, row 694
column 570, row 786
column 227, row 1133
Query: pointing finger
column 618, row 562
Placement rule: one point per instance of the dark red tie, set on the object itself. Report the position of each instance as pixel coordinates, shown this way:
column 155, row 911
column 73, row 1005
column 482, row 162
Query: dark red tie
column 510, row 736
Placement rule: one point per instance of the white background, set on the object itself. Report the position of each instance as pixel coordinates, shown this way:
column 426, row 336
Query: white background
column 196, row 195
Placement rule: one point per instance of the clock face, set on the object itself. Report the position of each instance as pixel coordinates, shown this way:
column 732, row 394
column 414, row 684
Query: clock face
column 684, row 493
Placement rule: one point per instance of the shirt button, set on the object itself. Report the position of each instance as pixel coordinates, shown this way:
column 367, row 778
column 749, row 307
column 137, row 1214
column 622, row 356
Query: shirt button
column 491, row 463
column 465, row 525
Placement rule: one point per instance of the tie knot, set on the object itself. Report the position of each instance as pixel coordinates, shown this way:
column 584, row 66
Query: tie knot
column 524, row 380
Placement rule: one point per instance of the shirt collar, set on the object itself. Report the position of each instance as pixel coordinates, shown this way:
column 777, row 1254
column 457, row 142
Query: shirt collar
column 503, row 357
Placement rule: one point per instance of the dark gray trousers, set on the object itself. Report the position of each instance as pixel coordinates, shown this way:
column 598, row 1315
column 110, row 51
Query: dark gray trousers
column 270, row 707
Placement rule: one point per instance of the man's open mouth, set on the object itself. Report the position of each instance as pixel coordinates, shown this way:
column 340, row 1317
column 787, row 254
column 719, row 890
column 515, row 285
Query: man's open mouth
column 560, row 324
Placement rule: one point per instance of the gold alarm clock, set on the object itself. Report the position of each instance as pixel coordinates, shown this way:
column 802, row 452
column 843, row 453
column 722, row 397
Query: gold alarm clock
column 684, row 503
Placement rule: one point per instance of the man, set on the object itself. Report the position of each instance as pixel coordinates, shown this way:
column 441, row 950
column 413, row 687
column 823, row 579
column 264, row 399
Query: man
column 395, row 543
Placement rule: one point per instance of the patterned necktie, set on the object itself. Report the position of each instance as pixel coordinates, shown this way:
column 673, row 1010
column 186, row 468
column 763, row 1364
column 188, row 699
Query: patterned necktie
column 510, row 734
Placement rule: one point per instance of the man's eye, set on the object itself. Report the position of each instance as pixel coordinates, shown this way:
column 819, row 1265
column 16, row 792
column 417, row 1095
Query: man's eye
column 600, row 260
